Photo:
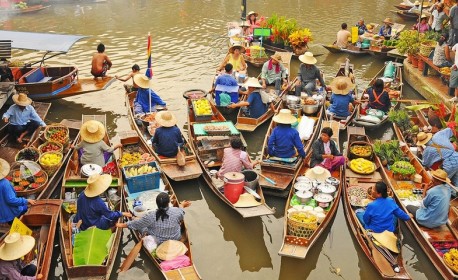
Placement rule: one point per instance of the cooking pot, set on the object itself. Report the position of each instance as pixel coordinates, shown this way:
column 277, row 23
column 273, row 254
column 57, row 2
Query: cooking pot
column 251, row 179
column 303, row 179
column 295, row 109
column 323, row 199
column 90, row 169
column 304, row 196
column 310, row 109
column 292, row 100
column 327, row 188
column 303, row 186
column 332, row 181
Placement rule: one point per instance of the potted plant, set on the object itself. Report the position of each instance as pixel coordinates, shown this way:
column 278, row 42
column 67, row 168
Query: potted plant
column 299, row 39
column 409, row 43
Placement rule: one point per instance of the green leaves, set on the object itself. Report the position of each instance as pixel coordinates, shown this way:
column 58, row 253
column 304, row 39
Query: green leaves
column 421, row 107
column 90, row 246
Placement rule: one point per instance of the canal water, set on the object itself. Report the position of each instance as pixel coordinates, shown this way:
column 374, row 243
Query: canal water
column 188, row 42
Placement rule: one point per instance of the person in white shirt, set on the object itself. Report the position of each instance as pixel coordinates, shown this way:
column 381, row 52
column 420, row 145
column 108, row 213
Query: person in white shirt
column 342, row 37
column 454, row 75
column 438, row 18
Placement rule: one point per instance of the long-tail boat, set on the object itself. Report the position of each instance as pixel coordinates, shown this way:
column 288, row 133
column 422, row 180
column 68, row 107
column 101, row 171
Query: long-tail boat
column 281, row 172
column 191, row 170
column 74, row 182
column 405, row 14
column 351, row 201
column 129, row 139
column 396, row 84
column 298, row 247
column 350, row 49
column 210, row 150
column 42, row 219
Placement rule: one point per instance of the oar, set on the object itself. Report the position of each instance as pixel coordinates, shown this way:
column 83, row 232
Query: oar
column 252, row 192
column 131, row 257
column 268, row 179
column 44, row 232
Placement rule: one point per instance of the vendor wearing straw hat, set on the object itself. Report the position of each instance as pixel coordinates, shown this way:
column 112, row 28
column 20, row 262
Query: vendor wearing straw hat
column 91, row 209
column 164, row 223
column 255, row 106
column 415, row 8
column 382, row 213
column 92, row 145
column 284, row 141
column 274, row 73
column 14, row 247
column 342, row 96
column 440, row 151
column 385, row 30
column 308, row 74
column 423, row 25
column 22, row 118
column 235, row 58
column 11, row 206
column 146, row 100
column 434, row 208
column 167, row 139
column 325, row 152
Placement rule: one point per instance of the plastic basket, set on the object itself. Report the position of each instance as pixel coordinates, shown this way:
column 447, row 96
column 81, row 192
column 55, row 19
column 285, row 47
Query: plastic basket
column 301, row 229
column 200, row 118
column 61, row 147
column 144, row 182
column 49, row 128
column 50, row 169
column 35, row 150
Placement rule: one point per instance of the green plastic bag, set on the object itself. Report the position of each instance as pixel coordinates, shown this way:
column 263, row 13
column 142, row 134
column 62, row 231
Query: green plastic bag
column 224, row 99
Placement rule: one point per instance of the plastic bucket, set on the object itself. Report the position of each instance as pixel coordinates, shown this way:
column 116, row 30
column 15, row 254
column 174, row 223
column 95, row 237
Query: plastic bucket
column 251, row 179
column 233, row 186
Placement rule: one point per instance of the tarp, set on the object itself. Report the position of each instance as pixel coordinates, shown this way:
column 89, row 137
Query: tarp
column 40, row 41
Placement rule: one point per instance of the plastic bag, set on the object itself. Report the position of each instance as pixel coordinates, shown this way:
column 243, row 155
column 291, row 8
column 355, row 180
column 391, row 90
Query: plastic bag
column 305, row 128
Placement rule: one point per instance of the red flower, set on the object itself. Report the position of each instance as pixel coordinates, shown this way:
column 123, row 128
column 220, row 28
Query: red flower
column 441, row 111
column 451, row 125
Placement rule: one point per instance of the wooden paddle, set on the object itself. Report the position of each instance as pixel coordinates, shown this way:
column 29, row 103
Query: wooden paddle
column 44, row 232
column 268, row 179
column 131, row 257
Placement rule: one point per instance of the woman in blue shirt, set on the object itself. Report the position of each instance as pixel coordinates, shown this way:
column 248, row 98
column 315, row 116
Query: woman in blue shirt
column 256, row 107
column 385, row 30
column 284, row 140
column 342, row 95
column 382, row 213
column 167, row 138
column 146, row 99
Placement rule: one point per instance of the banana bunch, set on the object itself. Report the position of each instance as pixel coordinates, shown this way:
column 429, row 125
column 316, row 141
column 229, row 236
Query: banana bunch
column 362, row 166
column 142, row 170
column 451, row 259
column 130, row 159
column 303, row 217
column 445, row 70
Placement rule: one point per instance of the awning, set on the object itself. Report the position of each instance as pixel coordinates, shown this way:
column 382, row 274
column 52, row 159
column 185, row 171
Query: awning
column 40, row 41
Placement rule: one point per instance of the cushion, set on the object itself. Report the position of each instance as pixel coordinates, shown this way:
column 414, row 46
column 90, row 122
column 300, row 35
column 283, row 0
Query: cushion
column 34, row 76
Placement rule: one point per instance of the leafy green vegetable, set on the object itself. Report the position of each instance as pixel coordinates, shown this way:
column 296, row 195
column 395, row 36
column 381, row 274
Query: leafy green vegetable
column 90, row 246
column 403, row 168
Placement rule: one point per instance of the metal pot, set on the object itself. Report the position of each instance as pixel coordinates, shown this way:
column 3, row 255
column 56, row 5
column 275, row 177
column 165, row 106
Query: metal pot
column 90, row 169
column 304, row 196
column 303, row 186
column 295, row 109
column 292, row 100
column 323, row 199
column 251, row 179
column 310, row 109
column 327, row 189
column 332, row 181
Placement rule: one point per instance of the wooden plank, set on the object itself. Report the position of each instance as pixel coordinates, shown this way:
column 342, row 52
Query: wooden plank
column 190, row 171
column 294, row 251
column 260, row 210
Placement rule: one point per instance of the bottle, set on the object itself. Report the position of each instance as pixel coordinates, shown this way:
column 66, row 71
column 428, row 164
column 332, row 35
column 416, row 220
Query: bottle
column 74, row 196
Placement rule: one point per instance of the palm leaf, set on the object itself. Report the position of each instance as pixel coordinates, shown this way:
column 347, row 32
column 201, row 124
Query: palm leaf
column 421, row 107
column 90, row 246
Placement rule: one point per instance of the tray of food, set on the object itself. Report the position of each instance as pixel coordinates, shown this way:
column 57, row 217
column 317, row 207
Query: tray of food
column 362, row 166
column 217, row 129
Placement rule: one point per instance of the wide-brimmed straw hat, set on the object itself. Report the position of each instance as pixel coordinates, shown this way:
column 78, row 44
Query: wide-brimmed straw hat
column 166, row 119
column 388, row 20
column 142, row 81
column 97, row 184
column 285, row 117
column 21, row 99
column 440, row 175
column 342, row 85
column 252, row 82
column 171, row 249
column 318, row 173
column 16, row 246
column 237, row 46
column 307, row 58
column 423, row 16
column 277, row 57
column 92, row 131
column 423, row 138
column 388, row 240
column 416, row 3
column 252, row 13
column 4, row 168
column 246, row 200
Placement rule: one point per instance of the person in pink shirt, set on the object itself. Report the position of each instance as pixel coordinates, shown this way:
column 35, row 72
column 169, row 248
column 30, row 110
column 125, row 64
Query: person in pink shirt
column 423, row 25
column 234, row 159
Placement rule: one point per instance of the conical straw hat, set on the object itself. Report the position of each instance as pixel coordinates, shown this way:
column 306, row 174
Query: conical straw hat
column 16, row 246
column 318, row 173
column 92, row 131
column 388, row 240
column 246, row 200
column 97, row 184
column 4, row 168
column 171, row 249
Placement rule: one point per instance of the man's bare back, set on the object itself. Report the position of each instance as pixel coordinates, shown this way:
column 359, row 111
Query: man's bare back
column 100, row 62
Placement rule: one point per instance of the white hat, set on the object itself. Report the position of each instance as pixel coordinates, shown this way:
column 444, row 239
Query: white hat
column 16, row 246
column 171, row 249
column 4, row 168
column 92, row 131
column 97, row 184
column 285, row 117
column 252, row 82
column 142, row 81
column 166, row 119
column 246, row 200
column 318, row 173
column 307, row 58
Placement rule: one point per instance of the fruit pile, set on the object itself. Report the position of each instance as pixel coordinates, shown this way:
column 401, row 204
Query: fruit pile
column 135, row 158
column 149, row 117
column 362, row 166
column 403, row 167
column 216, row 128
column 57, row 134
column 136, row 171
column 445, row 71
column 361, row 150
column 451, row 259
column 202, row 107
column 303, row 217
column 50, row 147
column 20, row 5
column 50, row 159
column 28, row 154
column 22, row 182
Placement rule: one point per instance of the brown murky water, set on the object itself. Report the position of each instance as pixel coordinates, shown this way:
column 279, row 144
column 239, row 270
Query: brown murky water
column 188, row 43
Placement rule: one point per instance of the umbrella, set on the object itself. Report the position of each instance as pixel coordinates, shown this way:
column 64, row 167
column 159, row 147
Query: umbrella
column 149, row 70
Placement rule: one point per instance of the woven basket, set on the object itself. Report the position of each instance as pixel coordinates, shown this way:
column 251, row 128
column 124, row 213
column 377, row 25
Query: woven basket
column 301, row 229
column 40, row 148
column 360, row 143
column 427, row 47
column 50, row 169
column 16, row 158
column 66, row 140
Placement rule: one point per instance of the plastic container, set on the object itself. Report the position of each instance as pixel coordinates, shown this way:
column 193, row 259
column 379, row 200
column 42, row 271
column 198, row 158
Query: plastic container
column 201, row 118
column 233, row 185
column 144, row 182
column 251, row 179
column 389, row 70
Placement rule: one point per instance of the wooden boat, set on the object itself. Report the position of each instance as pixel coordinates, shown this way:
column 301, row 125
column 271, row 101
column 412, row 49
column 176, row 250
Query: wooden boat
column 345, row 69
column 27, row 10
column 44, row 214
column 212, row 148
column 8, row 148
column 351, row 49
column 257, row 62
column 377, row 48
column 189, row 272
column 427, row 238
column 281, row 172
column 74, row 182
column 396, row 85
column 298, row 247
column 351, row 179
column 170, row 166
column 406, row 15
column 6, row 90
column 50, row 82
column 402, row 6
column 47, row 189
